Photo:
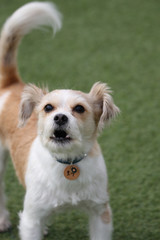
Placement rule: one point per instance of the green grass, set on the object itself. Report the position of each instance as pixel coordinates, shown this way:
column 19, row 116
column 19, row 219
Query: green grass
column 117, row 42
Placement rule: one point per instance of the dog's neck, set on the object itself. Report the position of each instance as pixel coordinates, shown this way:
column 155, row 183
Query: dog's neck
column 70, row 160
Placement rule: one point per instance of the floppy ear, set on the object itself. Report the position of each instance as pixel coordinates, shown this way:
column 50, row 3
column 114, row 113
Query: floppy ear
column 31, row 97
column 103, row 104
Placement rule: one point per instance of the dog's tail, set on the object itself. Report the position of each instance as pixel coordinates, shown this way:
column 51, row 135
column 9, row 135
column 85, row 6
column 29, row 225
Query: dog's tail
column 26, row 18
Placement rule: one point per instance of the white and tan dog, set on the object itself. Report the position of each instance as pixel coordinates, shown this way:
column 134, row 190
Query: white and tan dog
column 51, row 137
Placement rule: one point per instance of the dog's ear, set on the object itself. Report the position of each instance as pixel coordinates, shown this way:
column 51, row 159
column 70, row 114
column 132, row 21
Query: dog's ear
column 31, row 97
column 103, row 105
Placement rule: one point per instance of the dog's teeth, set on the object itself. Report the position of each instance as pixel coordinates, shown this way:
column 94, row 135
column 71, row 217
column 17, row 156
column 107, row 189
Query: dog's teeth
column 67, row 136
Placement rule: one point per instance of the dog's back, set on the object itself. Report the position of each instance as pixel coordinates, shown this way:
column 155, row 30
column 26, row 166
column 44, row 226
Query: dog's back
column 25, row 19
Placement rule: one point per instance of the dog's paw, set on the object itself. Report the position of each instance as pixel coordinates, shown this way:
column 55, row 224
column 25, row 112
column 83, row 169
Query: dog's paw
column 5, row 224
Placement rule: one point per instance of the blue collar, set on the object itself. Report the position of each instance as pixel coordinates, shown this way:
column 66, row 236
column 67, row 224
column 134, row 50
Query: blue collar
column 70, row 161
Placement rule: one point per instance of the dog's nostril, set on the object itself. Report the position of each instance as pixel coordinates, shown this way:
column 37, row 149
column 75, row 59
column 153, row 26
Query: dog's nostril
column 60, row 119
column 64, row 118
column 56, row 118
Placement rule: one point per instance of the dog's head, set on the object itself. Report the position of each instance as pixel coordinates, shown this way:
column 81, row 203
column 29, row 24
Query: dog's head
column 68, row 121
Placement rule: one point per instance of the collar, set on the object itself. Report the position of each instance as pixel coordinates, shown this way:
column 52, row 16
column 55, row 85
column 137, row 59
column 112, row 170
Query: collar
column 70, row 161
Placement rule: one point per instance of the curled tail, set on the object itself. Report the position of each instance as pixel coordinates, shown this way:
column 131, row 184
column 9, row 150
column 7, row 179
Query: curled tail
column 26, row 18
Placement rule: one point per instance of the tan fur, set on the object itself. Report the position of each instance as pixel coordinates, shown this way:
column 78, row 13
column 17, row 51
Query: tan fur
column 95, row 151
column 31, row 97
column 98, row 103
column 76, row 98
column 8, row 65
column 106, row 216
column 103, row 104
column 17, row 140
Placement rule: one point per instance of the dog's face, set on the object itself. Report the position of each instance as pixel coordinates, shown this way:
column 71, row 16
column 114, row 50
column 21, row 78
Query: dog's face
column 68, row 121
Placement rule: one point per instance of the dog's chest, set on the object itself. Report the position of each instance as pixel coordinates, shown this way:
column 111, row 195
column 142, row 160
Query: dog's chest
column 47, row 185
column 55, row 190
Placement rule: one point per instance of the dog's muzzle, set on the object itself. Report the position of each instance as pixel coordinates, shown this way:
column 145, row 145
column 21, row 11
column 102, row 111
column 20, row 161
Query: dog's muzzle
column 60, row 134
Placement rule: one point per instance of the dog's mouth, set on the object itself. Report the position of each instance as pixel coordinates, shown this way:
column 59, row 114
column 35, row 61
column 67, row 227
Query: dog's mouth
column 60, row 136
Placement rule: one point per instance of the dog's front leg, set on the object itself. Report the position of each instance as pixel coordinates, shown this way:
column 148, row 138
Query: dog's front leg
column 101, row 224
column 32, row 218
column 30, row 227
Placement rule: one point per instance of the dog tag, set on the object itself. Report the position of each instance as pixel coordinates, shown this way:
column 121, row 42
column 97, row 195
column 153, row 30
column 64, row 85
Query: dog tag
column 71, row 172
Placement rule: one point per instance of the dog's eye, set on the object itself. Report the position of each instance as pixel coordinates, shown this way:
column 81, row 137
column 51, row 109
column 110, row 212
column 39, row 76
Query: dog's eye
column 48, row 108
column 79, row 109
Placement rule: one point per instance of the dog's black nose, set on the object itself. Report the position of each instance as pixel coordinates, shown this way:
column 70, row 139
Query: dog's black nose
column 60, row 119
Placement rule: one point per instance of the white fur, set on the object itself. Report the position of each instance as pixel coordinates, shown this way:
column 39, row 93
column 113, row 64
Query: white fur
column 47, row 189
column 30, row 16
column 3, row 99
column 79, row 131
column 33, row 15
column 50, row 191
column 98, row 229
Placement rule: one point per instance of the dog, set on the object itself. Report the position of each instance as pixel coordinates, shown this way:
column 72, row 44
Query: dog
column 51, row 138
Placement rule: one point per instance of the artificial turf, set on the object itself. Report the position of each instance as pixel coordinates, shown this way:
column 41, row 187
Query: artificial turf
column 118, row 42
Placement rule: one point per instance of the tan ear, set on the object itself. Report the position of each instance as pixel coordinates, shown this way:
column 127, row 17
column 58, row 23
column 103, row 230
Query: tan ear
column 103, row 104
column 31, row 97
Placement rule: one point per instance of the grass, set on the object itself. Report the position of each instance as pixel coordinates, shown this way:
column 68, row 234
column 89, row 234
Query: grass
column 115, row 42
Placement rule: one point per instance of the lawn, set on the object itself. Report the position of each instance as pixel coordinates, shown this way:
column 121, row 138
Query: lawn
column 118, row 42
